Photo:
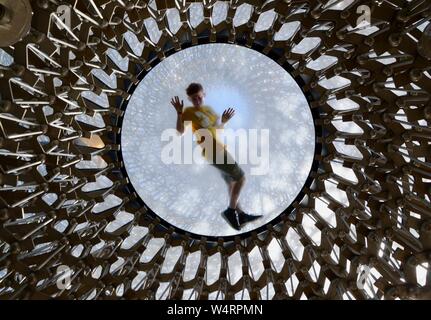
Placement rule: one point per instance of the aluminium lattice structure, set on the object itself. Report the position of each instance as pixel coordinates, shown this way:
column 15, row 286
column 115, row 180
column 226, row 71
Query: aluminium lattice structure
column 60, row 123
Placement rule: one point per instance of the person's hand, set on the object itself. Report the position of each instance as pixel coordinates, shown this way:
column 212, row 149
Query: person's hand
column 227, row 115
column 177, row 104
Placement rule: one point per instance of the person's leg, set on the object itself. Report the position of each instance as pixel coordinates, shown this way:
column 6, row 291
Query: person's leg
column 239, row 208
column 234, row 178
column 243, row 217
column 235, row 192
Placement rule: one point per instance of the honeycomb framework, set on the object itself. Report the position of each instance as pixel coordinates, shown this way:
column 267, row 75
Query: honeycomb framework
column 53, row 153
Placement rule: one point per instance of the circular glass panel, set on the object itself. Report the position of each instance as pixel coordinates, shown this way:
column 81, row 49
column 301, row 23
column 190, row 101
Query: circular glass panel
column 271, row 136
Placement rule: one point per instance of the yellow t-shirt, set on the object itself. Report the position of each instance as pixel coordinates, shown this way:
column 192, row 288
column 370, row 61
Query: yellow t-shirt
column 203, row 118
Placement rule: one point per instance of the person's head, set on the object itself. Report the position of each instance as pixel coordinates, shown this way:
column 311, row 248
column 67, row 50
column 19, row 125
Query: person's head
column 196, row 94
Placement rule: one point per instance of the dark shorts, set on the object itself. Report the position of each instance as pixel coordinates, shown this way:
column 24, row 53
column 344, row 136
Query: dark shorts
column 229, row 169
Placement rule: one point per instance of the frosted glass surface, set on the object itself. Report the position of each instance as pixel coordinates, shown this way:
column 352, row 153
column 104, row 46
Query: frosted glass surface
column 265, row 97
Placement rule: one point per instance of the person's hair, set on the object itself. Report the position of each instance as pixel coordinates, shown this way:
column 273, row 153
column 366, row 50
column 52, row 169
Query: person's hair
column 194, row 88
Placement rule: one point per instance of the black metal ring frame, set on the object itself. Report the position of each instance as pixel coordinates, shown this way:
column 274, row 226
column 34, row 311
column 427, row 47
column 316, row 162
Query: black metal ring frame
column 318, row 150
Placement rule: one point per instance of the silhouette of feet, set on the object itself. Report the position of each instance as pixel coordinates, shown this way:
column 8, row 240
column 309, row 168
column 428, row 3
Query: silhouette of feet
column 231, row 217
column 245, row 217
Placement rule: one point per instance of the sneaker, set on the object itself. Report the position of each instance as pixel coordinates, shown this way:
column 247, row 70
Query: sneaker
column 231, row 217
column 245, row 218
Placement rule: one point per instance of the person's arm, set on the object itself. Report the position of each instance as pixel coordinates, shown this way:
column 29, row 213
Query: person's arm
column 179, row 109
column 217, row 123
column 180, row 122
